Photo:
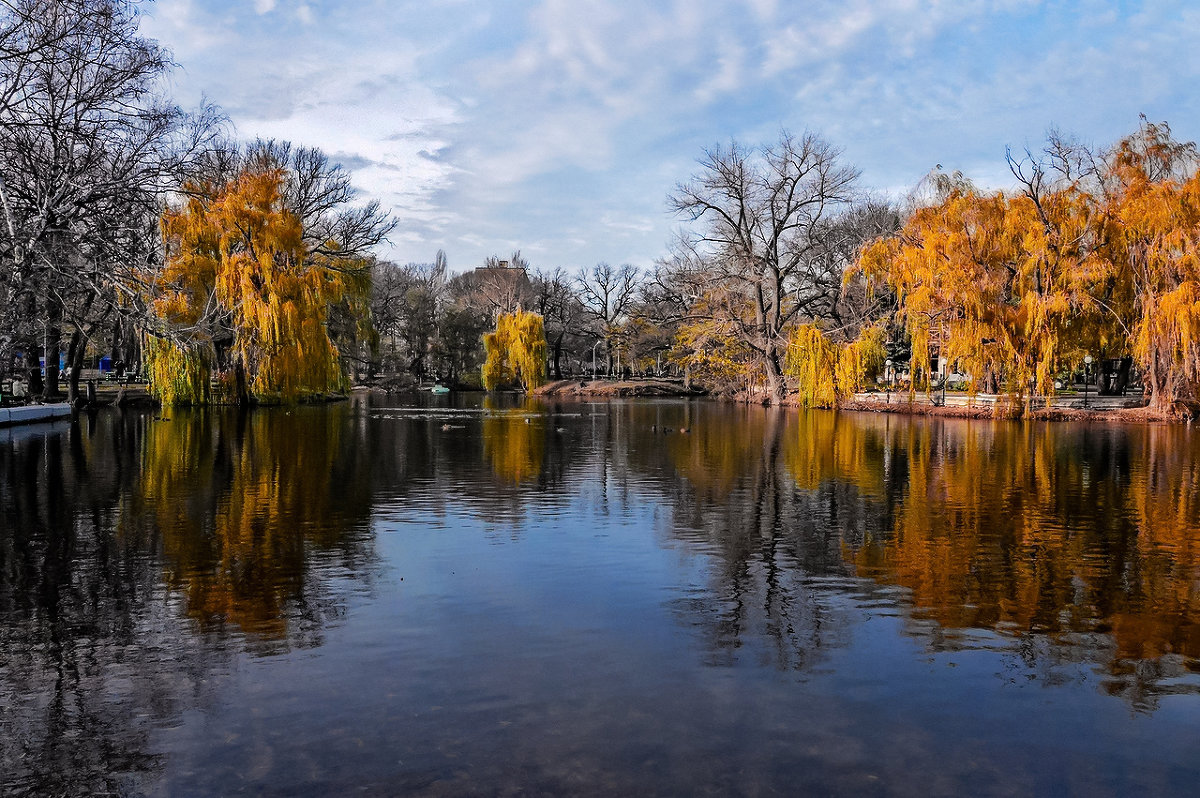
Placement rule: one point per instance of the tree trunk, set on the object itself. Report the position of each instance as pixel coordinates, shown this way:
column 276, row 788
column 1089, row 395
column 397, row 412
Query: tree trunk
column 35, row 371
column 77, row 368
column 1153, row 383
column 776, row 385
column 52, row 347
column 74, row 352
column 241, row 392
column 558, row 356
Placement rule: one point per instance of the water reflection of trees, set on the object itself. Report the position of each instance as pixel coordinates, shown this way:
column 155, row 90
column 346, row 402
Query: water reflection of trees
column 120, row 538
column 83, row 625
column 774, row 566
column 1085, row 535
column 253, row 512
column 501, row 461
column 1087, row 539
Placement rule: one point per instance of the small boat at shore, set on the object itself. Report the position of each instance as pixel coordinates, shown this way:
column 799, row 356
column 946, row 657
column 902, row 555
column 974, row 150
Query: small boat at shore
column 439, row 389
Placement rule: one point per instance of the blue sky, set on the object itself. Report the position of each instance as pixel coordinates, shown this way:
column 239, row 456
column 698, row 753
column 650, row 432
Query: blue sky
column 559, row 126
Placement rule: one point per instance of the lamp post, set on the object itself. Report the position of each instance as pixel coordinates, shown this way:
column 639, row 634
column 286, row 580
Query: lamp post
column 887, row 376
column 594, row 357
column 1087, row 366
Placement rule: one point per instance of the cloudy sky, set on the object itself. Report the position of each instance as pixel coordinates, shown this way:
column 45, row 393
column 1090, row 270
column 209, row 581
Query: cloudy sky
column 559, row 126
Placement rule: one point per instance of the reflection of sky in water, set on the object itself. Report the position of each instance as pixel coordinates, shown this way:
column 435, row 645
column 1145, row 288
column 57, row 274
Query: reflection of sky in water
column 643, row 612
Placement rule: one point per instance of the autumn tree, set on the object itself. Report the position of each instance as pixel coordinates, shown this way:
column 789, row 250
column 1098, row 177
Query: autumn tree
column 1002, row 283
column 1151, row 229
column 1091, row 254
column 825, row 370
column 516, row 351
column 765, row 217
column 242, row 294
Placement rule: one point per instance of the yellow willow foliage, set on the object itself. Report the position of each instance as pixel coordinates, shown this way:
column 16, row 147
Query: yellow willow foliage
column 1155, row 232
column 239, row 250
column 812, row 360
column 177, row 376
column 1005, row 283
column 825, row 371
column 516, row 351
column 712, row 344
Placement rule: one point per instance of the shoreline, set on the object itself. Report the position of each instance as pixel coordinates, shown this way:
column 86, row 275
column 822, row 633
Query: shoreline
column 1009, row 412
column 616, row 388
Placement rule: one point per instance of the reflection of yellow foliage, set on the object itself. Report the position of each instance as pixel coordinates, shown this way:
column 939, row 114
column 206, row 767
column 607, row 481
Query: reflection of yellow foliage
column 514, row 448
column 238, row 506
column 986, row 534
column 827, row 446
column 713, row 457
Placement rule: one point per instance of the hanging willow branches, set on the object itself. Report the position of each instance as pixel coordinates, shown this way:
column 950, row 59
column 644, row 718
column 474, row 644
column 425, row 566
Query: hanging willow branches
column 516, row 351
column 1091, row 255
column 243, row 295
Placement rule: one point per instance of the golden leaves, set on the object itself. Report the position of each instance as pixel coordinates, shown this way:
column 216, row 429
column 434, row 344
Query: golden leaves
column 516, row 351
column 238, row 269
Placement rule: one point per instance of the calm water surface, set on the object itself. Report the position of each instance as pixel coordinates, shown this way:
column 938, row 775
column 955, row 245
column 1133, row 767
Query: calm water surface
column 465, row 598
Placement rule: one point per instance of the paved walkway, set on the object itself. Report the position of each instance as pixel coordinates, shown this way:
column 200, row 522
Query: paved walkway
column 33, row 414
column 952, row 399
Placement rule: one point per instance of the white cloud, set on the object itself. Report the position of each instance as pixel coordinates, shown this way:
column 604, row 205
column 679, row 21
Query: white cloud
column 564, row 123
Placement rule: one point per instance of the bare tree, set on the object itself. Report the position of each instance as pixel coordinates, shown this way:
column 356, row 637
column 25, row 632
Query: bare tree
column 500, row 286
column 87, row 147
column 562, row 314
column 765, row 219
column 318, row 191
column 607, row 294
column 406, row 305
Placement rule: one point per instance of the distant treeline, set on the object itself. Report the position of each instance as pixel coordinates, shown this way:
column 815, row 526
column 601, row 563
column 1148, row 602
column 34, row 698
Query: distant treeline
column 233, row 271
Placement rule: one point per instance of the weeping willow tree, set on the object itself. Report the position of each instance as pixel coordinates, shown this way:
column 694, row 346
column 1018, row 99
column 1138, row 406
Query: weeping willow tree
column 1152, row 228
column 1005, row 283
column 242, row 298
column 516, row 351
column 826, row 371
column 1094, row 255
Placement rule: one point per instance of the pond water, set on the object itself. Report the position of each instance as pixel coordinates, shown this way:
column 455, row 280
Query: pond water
column 467, row 598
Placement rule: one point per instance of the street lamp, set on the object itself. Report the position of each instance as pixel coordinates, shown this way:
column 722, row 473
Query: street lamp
column 887, row 376
column 594, row 357
column 1087, row 365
